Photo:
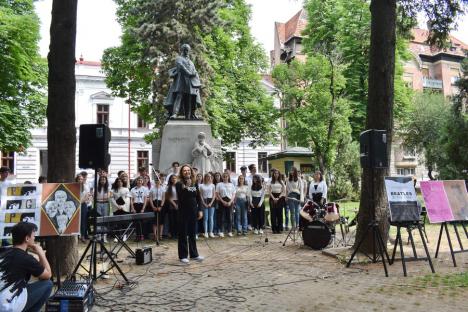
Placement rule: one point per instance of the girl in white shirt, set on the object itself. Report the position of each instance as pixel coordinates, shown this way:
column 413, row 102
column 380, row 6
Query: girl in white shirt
column 241, row 204
column 156, row 202
column 318, row 189
column 277, row 191
column 256, row 198
column 225, row 193
column 138, row 202
column 294, row 189
column 207, row 200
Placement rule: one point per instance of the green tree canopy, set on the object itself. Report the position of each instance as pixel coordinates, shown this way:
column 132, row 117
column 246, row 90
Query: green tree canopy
column 223, row 50
column 22, row 74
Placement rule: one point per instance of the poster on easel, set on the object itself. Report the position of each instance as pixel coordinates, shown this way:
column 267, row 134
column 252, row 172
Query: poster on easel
column 458, row 198
column 53, row 207
column 402, row 201
column 437, row 203
column 19, row 202
column 60, row 209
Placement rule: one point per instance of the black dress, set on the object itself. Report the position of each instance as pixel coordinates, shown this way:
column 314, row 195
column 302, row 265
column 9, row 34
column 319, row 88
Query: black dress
column 186, row 219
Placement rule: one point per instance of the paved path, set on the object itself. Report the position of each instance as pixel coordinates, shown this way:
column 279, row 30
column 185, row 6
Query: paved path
column 247, row 274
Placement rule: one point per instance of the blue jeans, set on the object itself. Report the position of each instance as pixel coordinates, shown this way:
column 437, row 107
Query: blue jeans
column 293, row 206
column 102, row 209
column 208, row 219
column 241, row 215
column 38, row 293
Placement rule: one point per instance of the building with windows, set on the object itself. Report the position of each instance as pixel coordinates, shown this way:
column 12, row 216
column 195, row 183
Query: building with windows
column 93, row 104
column 430, row 69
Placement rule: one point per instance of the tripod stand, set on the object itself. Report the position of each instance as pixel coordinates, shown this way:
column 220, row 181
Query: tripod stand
column 93, row 243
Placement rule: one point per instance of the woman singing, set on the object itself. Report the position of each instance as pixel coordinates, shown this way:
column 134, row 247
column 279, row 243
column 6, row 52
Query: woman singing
column 187, row 215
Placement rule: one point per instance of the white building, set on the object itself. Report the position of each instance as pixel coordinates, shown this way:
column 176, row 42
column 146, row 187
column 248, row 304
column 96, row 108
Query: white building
column 95, row 104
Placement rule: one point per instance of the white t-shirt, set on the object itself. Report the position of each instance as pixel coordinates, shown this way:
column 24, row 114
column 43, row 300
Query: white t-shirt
column 225, row 190
column 156, row 193
column 139, row 194
column 242, row 192
column 207, row 190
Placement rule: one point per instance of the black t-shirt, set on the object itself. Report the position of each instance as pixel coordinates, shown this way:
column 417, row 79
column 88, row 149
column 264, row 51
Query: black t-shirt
column 188, row 197
column 16, row 268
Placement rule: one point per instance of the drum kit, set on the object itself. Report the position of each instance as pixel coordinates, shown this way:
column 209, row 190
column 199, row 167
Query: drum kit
column 318, row 222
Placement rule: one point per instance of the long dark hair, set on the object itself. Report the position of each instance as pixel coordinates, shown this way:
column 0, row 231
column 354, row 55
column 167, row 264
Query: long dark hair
column 115, row 186
column 273, row 178
column 105, row 186
column 256, row 182
column 216, row 181
column 320, row 173
column 293, row 176
column 170, row 184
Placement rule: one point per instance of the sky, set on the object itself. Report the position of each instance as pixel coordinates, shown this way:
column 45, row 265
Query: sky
column 97, row 28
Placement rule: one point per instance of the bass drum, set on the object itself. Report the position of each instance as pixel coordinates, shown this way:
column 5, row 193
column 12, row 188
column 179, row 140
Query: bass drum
column 316, row 235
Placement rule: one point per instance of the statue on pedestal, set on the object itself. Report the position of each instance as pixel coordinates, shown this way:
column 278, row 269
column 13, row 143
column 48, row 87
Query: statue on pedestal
column 184, row 93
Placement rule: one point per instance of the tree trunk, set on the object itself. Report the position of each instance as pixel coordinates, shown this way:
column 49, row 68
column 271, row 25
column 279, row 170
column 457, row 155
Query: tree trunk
column 61, row 130
column 373, row 202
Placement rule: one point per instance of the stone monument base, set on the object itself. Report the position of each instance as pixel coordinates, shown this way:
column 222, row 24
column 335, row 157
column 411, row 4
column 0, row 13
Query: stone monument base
column 177, row 141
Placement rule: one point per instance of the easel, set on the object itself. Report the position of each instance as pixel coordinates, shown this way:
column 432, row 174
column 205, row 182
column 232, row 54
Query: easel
column 376, row 239
column 409, row 227
column 444, row 225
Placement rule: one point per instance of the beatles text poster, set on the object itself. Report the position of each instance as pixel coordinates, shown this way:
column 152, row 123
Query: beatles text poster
column 458, row 198
column 19, row 202
column 437, row 204
column 402, row 200
column 60, row 209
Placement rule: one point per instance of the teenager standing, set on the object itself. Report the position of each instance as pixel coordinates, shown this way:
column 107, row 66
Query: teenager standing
column 225, row 193
column 242, row 205
column 139, row 201
column 277, row 192
column 208, row 196
column 257, row 207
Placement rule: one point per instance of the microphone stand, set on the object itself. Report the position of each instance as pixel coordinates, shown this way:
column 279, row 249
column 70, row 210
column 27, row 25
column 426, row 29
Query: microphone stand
column 157, row 214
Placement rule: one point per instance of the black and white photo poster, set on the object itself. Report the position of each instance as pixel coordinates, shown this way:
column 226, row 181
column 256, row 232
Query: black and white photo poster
column 402, row 199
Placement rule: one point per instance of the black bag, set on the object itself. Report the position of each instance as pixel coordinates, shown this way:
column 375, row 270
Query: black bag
column 120, row 201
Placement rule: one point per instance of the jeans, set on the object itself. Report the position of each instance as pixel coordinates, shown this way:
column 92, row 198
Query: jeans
column 208, row 217
column 293, row 208
column 241, row 215
column 38, row 293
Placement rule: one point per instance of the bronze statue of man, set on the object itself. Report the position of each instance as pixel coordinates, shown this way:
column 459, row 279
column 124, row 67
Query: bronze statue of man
column 184, row 94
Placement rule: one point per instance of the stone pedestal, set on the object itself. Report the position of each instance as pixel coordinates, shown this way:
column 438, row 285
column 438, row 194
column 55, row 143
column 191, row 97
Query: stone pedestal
column 177, row 142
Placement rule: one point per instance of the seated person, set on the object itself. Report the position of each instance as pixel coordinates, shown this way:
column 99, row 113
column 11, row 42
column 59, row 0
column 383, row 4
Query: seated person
column 16, row 268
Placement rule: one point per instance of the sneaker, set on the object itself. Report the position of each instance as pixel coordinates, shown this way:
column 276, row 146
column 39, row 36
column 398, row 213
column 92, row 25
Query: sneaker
column 255, row 231
column 196, row 236
column 239, row 233
column 249, row 228
column 212, row 235
column 206, row 234
column 230, row 234
column 125, row 238
column 261, row 231
column 244, row 233
column 199, row 258
column 221, row 234
column 185, row 261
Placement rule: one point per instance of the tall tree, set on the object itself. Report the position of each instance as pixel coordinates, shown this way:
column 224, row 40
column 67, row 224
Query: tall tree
column 61, row 129
column 223, row 50
column 441, row 14
column 22, row 75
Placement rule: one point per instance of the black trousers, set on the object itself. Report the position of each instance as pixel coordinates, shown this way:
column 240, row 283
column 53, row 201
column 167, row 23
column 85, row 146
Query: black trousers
column 224, row 217
column 276, row 214
column 172, row 213
column 139, row 224
column 187, row 244
column 258, row 215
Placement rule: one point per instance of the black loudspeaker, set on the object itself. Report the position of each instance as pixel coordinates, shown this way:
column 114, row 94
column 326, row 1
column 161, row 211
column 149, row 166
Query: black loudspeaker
column 94, row 146
column 144, row 255
column 373, row 149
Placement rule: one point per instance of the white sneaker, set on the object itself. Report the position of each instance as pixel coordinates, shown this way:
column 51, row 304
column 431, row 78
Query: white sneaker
column 221, row 234
column 261, row 231
column 206, row 234
column 230, row 234
column 125, row 238
column 185, row 261
column 115, row 240
column 255, row 231
column 212, row 235
column 196, row 236
column 199, row 258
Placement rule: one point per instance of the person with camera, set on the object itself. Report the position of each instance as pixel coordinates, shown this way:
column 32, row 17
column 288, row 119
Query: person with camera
column 16, row 268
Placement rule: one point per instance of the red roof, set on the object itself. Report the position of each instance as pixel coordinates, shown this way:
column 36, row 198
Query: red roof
column 293, row 27
column 419, row 45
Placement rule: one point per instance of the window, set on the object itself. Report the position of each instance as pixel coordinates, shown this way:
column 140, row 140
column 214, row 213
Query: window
column 142, row 159
column 141, row 123
column 230, row 158
column 102, row 114
column 406, row 171
column 8, row 160
column 262, row 162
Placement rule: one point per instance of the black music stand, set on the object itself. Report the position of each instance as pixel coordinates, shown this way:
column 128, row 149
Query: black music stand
column 93, row 243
